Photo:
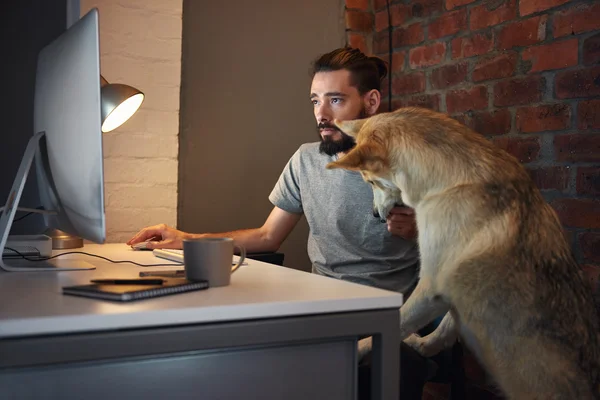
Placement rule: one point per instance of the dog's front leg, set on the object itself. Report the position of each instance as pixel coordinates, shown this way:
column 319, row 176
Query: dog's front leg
column 422, row 307
column 443, row 337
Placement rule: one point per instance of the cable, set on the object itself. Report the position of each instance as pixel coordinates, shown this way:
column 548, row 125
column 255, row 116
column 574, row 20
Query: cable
column 390, row 51
column 91, row 255
column 28, row 214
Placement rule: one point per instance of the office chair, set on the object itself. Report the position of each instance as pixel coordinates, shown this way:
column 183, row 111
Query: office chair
column 268, row 257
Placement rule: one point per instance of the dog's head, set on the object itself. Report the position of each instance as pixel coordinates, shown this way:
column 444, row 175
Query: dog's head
column 370, row 157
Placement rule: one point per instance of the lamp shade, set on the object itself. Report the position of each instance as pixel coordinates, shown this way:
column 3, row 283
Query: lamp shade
column 119, row 103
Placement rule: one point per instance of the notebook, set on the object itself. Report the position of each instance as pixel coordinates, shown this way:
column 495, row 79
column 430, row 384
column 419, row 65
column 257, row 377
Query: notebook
column 134, row 292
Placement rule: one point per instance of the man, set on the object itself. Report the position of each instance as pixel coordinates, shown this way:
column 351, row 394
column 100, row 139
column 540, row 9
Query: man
column 345, row 240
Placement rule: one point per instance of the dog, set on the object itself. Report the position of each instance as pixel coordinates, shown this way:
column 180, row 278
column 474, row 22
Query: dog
column 494, row 259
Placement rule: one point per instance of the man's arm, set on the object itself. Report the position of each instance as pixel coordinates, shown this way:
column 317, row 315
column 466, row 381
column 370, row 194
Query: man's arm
column 268, row 237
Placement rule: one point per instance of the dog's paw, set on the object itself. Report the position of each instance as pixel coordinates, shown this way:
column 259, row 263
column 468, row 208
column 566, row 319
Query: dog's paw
column 416, row 342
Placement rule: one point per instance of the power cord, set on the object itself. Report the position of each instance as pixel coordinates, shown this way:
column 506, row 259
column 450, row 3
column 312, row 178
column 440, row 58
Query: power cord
column 23, row 256
column 390, row 54
column 28, row 214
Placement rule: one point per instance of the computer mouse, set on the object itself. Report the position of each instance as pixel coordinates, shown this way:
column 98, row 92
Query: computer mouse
column 141, row 245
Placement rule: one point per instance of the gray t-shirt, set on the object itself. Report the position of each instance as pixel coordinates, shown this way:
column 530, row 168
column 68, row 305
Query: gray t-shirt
column 345, row 240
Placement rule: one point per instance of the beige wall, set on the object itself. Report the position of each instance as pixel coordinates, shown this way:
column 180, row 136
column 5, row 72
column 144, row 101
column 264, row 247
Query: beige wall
column 246, row 108
column 140, row 45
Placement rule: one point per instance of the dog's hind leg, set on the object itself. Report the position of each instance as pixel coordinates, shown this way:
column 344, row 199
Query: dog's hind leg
column 422, row 307
column 444, row 336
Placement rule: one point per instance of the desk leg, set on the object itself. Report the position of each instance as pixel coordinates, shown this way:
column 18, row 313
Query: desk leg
column 385, row 366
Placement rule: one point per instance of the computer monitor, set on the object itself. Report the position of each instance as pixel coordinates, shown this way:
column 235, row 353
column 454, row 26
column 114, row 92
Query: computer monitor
column 67, row 144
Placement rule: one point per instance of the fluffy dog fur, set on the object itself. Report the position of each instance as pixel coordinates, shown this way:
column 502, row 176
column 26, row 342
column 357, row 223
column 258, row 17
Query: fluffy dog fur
column 494, row 259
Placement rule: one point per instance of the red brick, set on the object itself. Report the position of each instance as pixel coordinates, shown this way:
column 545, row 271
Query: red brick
column 527, row 7
column 409, row 36
column 523, row 33
column 475, row 98
column 556, row 178
column 398, row 61
column 492, row 13
column 400, row 13
column 577, row 147
column 525, row 150
column 578, row 213
column 409, row 84
column 398, row 58
column 450, row 4
column 358, row 4
column 379, row 4
column 431, row 101
column 357, row 41
column 425, row 56
column 449, row 75
column 552, row 56
column 448, row 24
column 553, row 117
column 579, row 83
column 381, row 42
column 426, row 8
column 383, row 106
column 359, row 21
column 590, row 245
column 491, row 123
column 588, row 181
column 518, row 91
column 578, row 19
column 381, row 20
column 501, row 66
column 591, row 50
column 463, row 119
column 588, row 114
column 478, row 44
column 592, row 273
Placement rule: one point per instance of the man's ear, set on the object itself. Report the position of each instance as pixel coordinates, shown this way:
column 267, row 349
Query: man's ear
column 372, row 101
column 366, row 157
column 350, row 127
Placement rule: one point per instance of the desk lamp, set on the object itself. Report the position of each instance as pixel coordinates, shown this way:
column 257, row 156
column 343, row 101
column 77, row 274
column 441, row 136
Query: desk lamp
column 118, row 102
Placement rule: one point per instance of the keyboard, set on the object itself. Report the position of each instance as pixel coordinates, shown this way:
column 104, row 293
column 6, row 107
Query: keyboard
column 177, row 255
column 169, row 254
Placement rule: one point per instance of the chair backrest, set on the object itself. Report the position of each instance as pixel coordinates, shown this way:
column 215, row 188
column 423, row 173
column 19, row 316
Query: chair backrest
column 271, row 257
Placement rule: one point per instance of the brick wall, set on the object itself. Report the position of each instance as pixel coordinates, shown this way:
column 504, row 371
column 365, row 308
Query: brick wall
column 524, row 73
column 140, row 45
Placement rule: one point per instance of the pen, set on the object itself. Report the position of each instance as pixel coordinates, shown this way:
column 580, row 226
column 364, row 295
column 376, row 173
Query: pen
column 129, row 281
column 171, row 273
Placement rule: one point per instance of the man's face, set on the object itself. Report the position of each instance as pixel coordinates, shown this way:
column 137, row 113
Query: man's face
column 334, row 98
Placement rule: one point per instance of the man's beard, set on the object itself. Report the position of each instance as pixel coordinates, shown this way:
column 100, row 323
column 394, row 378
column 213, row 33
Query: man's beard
column 330, row 146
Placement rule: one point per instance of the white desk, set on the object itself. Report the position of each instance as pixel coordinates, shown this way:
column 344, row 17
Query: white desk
column 274, row 333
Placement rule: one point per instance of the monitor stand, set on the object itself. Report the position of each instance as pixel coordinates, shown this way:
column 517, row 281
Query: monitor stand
column 8, row 215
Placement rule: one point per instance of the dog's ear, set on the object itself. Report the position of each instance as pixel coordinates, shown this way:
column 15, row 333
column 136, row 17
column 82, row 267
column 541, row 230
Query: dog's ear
column 369, row 156
column 350, row 127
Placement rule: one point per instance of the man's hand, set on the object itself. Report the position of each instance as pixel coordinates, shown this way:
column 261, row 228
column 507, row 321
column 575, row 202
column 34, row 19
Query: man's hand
column 164, row 237
column 401, row 222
